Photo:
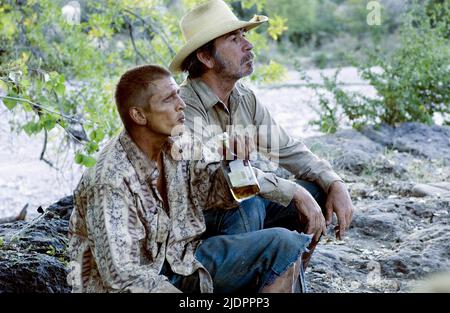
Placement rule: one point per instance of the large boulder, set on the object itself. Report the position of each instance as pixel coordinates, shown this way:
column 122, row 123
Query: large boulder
column 349, row 151
column 432, row 142
column 33, row 254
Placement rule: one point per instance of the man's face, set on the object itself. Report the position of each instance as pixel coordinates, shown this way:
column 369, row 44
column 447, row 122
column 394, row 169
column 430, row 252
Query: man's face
column 166, row 109
column 233, row 57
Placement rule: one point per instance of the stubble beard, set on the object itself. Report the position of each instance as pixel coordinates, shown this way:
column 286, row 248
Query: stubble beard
column 225, row 68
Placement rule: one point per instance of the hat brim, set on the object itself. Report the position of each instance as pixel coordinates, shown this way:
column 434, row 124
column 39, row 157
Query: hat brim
column 210, row 34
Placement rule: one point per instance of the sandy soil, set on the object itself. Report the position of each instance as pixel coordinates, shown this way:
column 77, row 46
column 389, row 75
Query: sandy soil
column 24, row 179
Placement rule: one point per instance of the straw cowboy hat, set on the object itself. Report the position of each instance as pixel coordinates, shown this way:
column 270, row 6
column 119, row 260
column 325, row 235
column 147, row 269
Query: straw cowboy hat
column 206, row 22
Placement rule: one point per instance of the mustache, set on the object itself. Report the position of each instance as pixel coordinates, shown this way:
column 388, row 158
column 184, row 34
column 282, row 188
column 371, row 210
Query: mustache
column 247, row 58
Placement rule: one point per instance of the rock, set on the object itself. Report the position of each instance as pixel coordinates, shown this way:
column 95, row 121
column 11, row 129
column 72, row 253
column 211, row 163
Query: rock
column 435, row 283
column 420, row 210
column 63, row 207
column 391, row 243
column 33, row 255
column 351, row 151
column 431, row 142
column 436, row 190
column 355, row 161
column 31, row 272
column 20, row 217
column 422, row 252
column 381, row 134
column 333, row 267
column 343, row 140
column 386, row 166
column 380, row 225
column 346, row 150
column 359, row 190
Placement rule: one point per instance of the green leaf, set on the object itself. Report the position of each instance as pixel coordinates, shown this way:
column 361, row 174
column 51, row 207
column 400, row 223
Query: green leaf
column 89, row 161
column 91, row 147
column 51, row 250
column 48, row 122
column 32, row 128
column 9, row 103
column 277, row 26
column 26, row 106
column 85, row 160
column 97, row 135
column 60, row 86
column 78, row 158
column 60, row 89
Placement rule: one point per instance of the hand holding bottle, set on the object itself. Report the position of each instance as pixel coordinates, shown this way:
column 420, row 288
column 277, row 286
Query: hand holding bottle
column 237, row 146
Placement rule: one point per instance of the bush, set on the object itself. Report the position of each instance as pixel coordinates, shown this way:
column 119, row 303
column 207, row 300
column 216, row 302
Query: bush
column 335, row 105
column 414, row 84
column 301, row 17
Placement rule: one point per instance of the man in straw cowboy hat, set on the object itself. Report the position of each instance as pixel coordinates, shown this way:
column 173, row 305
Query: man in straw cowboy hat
column 216, row 55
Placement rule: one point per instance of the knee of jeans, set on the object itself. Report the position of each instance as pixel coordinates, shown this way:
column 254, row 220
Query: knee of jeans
column 286, row 241
column 284, row 248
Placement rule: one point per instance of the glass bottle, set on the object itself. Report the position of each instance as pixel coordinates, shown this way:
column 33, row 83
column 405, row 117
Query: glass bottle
column 239, row 175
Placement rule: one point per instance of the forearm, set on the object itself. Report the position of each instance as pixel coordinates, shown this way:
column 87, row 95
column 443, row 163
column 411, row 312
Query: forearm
column 274, row 188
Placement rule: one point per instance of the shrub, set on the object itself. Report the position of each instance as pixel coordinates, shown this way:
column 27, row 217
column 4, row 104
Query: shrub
column 414, row 83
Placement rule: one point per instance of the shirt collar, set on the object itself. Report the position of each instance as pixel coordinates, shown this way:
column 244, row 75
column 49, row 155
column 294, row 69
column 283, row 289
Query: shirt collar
column 206, row 95
column 145, row 168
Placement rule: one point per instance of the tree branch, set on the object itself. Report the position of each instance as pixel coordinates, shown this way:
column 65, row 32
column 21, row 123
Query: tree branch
column 39, row 107
column 130, row 30
column 43, row 151
column 155, row 30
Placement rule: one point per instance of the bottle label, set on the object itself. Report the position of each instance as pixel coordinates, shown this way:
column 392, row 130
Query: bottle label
column 240, row 175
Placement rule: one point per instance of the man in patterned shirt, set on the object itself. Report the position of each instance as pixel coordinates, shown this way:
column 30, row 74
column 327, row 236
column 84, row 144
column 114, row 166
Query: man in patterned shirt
column 216, row 56
column 138, row 223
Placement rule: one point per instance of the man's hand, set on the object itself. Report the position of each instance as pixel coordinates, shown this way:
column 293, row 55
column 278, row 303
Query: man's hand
column 338, row 201
column 309, row 210
column 242, row 146
column 238, row 146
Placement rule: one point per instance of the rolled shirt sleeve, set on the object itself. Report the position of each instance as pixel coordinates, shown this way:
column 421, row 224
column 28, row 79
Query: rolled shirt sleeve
column 274, row 188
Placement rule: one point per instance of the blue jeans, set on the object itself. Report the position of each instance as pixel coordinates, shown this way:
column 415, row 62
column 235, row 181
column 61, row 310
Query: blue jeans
column 244, row 249
column 246, row 262
column 259, row 213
